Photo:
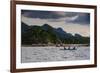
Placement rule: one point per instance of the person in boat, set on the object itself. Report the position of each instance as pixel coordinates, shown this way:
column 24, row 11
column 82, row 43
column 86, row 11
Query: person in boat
column 69, row 48
column 74, row 48
column 64, row 48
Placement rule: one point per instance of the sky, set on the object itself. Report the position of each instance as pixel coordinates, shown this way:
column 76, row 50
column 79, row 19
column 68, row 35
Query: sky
column 71, row 22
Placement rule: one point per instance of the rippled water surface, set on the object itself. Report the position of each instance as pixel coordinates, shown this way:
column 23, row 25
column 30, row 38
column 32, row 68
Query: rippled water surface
column 46, row 54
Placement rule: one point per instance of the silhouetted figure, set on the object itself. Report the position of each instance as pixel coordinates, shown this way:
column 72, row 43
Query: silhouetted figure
column 69, row 48
column 64, row 48
column 74, row 48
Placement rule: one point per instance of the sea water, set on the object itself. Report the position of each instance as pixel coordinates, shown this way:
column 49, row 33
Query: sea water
column 52, row 53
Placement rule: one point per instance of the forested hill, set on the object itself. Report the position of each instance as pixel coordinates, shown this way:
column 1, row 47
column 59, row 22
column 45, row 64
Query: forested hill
column 46, row 34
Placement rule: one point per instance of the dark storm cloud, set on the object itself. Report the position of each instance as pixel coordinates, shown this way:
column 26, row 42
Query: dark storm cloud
column 82, row 18
column 40, row 14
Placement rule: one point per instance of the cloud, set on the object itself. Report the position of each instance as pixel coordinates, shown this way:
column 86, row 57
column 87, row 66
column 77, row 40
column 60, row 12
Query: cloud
column 40, row 14
column 64, row 19
column 82, row 19
column 58, row 16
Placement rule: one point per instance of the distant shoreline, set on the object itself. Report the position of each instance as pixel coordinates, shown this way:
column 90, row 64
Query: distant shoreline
column 56, row 45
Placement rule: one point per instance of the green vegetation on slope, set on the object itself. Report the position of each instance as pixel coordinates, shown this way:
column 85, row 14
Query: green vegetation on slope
column 48, row 35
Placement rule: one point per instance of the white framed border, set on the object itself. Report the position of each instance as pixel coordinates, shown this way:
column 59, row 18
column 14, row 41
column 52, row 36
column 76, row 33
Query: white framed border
column 20, row 65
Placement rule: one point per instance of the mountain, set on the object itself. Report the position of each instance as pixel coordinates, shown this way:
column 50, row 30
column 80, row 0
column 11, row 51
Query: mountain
column 47, row 27
column 62, row 34
column 24, row 27
column 47, row 34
